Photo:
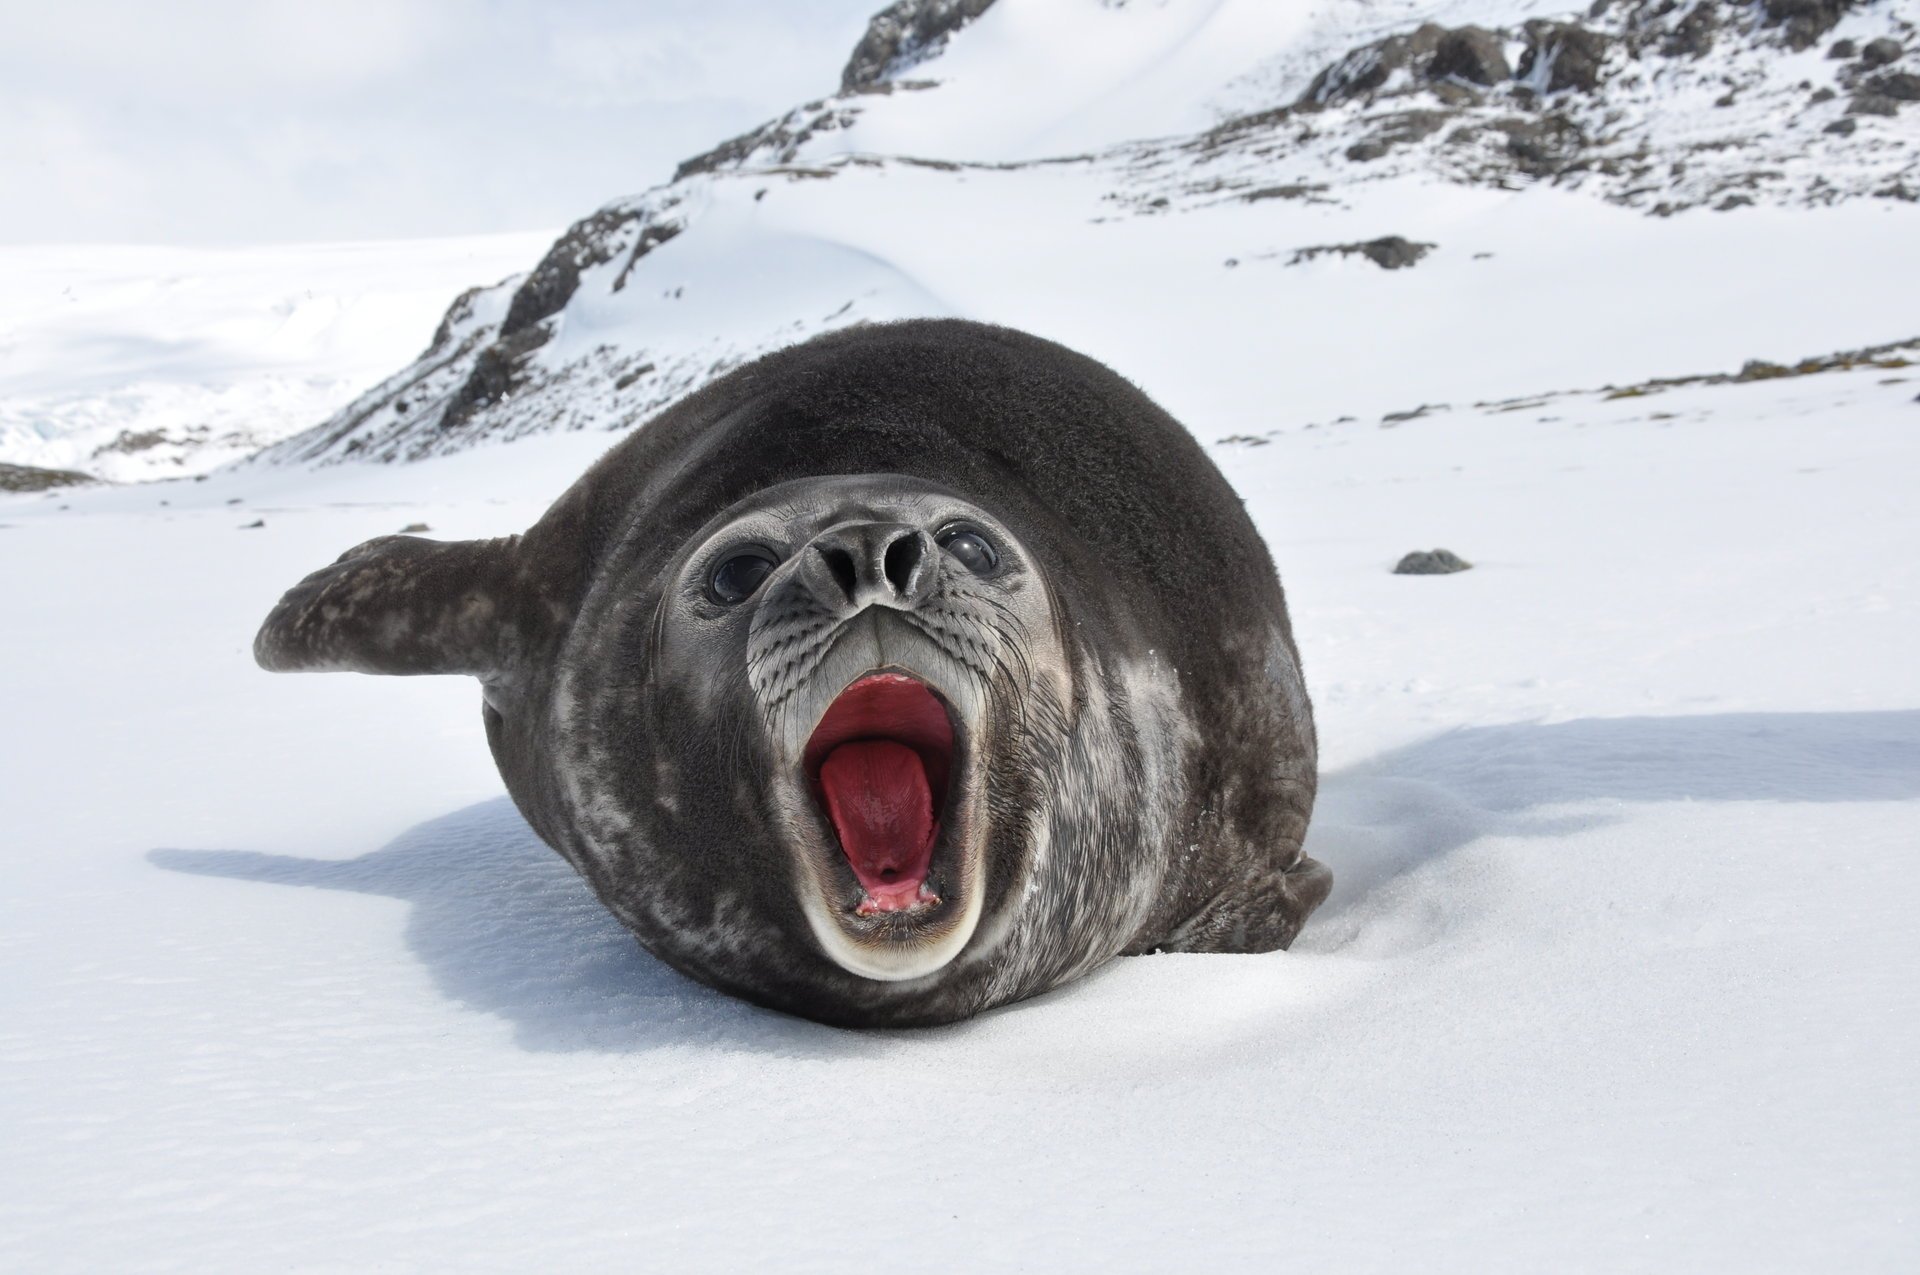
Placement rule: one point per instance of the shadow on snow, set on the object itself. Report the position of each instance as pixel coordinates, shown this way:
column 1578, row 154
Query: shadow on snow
column 503, row 924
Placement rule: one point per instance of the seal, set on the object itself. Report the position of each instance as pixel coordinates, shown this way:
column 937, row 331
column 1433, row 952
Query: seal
column 902, row 673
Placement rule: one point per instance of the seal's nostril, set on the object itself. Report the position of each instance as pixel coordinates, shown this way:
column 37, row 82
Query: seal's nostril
column 840, row 564
column 902, row 558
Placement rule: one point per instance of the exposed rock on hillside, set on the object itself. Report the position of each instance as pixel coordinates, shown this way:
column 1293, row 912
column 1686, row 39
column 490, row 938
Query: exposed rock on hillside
column 1650, row 103
column 902, row 34
column 1393, row 252
column 30, row 478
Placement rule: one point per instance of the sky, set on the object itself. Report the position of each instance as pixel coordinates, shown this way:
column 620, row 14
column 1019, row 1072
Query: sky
column 255, row 121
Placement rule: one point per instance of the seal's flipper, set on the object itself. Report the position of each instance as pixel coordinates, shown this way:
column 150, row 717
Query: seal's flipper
column 1262, row 915
column 401, row 604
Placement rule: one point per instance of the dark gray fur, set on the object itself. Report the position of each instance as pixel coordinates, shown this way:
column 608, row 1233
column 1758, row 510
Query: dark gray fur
column 1145, row 770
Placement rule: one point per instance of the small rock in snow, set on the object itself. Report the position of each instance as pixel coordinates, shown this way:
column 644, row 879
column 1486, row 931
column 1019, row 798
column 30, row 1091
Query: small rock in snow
column 1431, row 562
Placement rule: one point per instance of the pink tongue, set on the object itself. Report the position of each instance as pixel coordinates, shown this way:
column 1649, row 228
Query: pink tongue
column 878, row 799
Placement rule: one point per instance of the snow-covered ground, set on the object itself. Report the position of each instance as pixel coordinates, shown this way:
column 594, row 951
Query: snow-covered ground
column 1619, row 973
column 141, row 362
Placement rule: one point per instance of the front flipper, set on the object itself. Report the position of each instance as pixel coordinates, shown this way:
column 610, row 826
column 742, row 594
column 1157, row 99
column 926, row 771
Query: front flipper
column 1263, row 914
column 400, row 604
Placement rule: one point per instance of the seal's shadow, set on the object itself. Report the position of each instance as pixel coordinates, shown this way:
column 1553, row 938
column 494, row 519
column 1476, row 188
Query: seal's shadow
column 503, row 925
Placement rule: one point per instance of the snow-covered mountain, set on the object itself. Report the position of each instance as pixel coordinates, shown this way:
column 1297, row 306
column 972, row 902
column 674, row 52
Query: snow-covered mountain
column 1639, row 189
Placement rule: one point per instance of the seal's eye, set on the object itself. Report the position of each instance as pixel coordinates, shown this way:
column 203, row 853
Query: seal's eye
column 735, row 579
column 970, row 547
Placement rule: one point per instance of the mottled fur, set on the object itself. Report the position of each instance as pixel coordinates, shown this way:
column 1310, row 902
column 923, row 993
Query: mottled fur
column 1142, row 767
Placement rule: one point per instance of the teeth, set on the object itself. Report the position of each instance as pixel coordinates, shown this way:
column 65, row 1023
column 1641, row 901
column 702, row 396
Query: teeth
column 869, row 906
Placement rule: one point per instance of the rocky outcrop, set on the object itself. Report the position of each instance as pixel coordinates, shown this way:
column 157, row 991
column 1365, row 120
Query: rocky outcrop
column 904, row 33
column 1472, row 54
column 1431, row 54
column 1562, row 56
column 33, row 478
column 500, row 368
column 1805, row 21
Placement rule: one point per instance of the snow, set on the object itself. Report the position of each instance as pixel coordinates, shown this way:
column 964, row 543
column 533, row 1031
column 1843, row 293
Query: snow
column 1618, row 973
column 136, row 362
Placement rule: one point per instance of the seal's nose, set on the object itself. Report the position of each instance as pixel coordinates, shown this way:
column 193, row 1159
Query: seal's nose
column 864, row 564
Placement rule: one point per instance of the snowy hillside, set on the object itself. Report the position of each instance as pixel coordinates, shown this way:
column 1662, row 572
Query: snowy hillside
column 133, row 363
column 1551, row 174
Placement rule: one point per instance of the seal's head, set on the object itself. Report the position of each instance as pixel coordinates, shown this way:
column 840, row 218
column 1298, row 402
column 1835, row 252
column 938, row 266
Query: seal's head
column 901, row 674
column 866, row 661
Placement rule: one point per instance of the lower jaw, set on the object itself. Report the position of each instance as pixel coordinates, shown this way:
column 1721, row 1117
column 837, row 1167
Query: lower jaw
column 894, row 945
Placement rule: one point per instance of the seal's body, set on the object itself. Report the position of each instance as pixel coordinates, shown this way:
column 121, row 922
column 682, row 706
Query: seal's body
column 897, row 675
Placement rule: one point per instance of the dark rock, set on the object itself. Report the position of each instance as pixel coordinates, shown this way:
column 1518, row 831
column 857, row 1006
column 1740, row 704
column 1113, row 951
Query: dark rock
column 497, row 372
column 1805, row 20
column 255, row 525
column 904, row 33
column 1572, row 55
column 1544, row 145
column 587, row 243
column 1693, row 37
column 628, row 378
column 781, row 139
column 1901, row 86
column 34, row 478
column 1843, row 50
column 1368, row 68
column 1872, row 104
column 1432, row 55
column 1391, row 252
column 414, row 528
column 1431, row 562
column 1394, row 252
column 1761, row 370
column 1473, row 54
column 1822, row 95
column 1299, row 190
column 1397, row 130
column 131, row 441
column 1454, row 93
column 1841, row 128
column 1880, row 52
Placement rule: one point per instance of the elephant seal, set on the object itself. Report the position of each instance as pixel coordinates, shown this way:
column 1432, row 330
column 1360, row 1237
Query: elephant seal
column 902, row 673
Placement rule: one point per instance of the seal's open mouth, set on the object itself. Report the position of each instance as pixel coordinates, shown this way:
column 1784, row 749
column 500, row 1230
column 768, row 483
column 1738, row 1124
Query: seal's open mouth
column 878, row 764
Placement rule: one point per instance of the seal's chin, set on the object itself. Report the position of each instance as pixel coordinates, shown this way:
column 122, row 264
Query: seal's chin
column 878, row 766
